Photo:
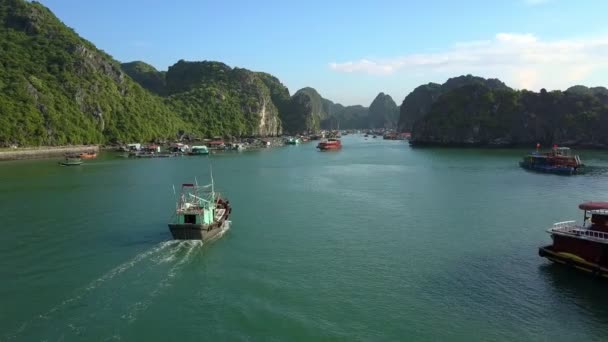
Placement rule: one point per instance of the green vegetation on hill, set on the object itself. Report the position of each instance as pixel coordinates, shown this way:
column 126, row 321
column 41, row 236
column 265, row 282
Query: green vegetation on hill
column 147, row 76
column 304, row 112
column 219, row 100
column 480, row 114
column 57, row 88
column 417, row 103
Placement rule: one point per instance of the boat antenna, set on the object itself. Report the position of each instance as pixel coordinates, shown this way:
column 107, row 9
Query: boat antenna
column 212, row 186
column 175, row 195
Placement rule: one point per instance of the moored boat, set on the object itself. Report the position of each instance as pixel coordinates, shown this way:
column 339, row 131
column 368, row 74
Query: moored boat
column 558, row 160
column 88, row 155
column 330, row 144
column 292, row 141
column 198, row 150
column 584, row 247
column 200, row 214
column 71, row 161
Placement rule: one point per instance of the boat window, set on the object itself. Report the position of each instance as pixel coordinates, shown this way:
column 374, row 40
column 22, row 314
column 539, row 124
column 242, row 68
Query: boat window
column 190, row 219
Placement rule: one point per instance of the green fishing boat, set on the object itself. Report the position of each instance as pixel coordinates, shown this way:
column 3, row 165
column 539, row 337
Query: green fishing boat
column 71, row 161
column 200, row 213
column 293, row 141
column 199, row 151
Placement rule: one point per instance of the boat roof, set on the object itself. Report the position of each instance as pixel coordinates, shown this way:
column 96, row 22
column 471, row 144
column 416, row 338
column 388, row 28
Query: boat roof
column 594, row 206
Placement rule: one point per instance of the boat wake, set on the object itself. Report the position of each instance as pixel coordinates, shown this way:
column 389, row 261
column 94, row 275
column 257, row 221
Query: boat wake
column 117, row 297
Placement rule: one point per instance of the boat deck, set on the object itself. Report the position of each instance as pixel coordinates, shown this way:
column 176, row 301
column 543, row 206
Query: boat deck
column 570, row 228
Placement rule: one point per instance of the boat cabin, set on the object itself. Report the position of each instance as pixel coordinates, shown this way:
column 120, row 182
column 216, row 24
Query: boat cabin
column 196, row 205
column 596, row 216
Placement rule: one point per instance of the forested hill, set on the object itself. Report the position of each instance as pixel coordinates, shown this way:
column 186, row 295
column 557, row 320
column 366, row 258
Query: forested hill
column 487, row 113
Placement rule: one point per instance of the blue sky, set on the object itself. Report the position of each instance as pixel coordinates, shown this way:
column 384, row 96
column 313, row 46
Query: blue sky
column 352, row 50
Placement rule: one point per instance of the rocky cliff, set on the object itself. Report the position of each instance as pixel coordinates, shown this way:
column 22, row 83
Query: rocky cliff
column 418, row 103
column 220, row 100
column 481, row 115
column 383, row 112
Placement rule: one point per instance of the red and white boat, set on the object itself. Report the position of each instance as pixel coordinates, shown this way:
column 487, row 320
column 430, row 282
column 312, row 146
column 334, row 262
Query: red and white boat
column 330, row 144
column 584, row 247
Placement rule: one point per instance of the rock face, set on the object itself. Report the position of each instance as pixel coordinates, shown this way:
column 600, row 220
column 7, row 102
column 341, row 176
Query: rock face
column 482, row 115
column 220, row 100
column 308, row 111
column 305, row 112
column 57, row 88
column 418, row 103
column 383, row 112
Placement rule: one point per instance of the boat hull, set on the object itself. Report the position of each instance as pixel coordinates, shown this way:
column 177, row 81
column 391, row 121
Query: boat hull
column 573, row 261
column 196, row 231
column 329, row 148
column 70, row 163
column 559, row 170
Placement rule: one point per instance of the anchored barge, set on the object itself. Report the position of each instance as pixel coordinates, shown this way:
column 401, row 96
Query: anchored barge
column 584, row 247
column 200, row 214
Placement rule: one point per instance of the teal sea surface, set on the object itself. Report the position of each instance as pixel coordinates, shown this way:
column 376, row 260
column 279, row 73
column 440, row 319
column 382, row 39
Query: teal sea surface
column 376, row 242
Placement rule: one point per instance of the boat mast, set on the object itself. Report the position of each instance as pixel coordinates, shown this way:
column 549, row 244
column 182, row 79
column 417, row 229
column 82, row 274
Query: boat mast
column 212, row 185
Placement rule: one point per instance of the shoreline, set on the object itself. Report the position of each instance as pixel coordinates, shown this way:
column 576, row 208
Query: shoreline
column 420, row 144
column 44, row 152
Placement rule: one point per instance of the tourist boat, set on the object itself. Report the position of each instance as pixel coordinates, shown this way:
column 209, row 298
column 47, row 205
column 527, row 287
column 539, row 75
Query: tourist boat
column 71, row 161
column 292, row 141
column 330, row 144
column 584, row 247
column 88, row 155
column 198, row 150
column 200, row 214
column 558, row 160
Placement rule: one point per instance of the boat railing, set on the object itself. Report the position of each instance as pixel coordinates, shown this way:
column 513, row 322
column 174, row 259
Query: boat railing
column 571, row 228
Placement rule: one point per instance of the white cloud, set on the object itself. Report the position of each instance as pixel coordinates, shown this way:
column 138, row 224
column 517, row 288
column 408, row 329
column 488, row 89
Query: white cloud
column 522, row 60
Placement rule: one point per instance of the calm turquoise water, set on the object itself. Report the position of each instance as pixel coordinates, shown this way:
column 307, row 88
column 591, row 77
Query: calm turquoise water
column 375, row 242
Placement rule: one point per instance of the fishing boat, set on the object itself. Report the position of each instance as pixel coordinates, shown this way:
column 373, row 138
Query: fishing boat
column 558, row 160
column 292, row 141
column 198, row 150
column 200, row 214
column 330, row 144
column 88, row 155
column 71, row 161
column 585, row 246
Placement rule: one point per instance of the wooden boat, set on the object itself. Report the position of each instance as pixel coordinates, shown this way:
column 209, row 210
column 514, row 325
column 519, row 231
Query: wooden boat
column 330, row 144
column 583, row 247
column 71, row 161
column 292, row 141
column 88, row 155
column 558, row 160
column 200, row 214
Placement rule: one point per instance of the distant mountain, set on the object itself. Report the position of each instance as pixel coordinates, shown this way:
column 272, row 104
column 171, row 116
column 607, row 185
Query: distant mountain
column 417, row 104
column 383, row 112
